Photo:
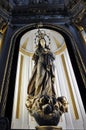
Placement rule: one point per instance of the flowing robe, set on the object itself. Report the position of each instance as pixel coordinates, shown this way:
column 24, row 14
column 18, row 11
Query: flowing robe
column 43, row 75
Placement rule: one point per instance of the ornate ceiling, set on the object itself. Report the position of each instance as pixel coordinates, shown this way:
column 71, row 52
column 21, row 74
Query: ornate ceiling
column 35, row 6
column 26, row 11
column 29, row 2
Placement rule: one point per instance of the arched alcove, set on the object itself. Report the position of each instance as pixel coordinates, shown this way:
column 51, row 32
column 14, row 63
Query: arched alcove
column 69, row 46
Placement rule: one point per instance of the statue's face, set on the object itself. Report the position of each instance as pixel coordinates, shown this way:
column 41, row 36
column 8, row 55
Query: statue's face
column 42, row 42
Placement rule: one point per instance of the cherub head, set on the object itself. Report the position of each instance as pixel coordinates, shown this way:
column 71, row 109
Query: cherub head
column 63, row 103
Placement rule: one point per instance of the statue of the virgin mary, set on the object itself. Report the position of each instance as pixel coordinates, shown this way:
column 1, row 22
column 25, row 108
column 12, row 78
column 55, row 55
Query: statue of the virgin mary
column 43, row 75
column 42, row 102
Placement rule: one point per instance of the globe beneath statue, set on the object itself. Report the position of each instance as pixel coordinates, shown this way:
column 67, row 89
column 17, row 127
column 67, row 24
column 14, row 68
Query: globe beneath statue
column 51, row 119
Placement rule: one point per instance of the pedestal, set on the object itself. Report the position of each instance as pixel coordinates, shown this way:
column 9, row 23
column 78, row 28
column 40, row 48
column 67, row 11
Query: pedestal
column 48, row 128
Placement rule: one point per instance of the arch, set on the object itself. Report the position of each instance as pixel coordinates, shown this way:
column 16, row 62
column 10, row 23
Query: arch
column 70, row 42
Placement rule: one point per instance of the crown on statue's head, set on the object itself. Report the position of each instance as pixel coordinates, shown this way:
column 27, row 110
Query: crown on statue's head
column 42, row 37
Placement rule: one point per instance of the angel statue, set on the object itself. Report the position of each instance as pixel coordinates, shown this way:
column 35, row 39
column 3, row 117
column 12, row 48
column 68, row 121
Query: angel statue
column 42, row 102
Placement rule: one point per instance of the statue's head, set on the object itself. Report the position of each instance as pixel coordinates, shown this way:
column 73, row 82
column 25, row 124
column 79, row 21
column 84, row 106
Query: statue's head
column 42, row 39
column 42, row 42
